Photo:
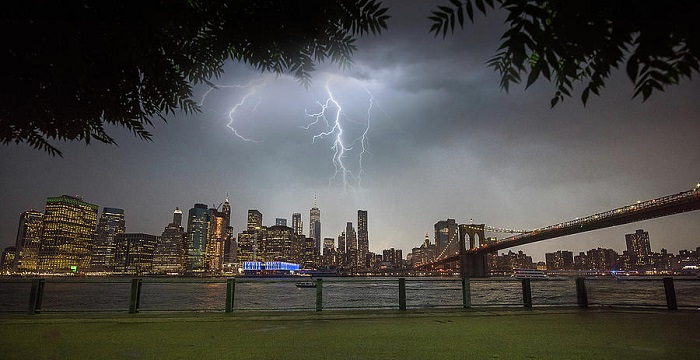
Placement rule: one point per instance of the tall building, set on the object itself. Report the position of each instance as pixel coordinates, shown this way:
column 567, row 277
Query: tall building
column 220, row 234
column 255, row 220
column 169, row 254
column 638, row 248
column 68, row 235
column 297, row 224
column 279, row 244
column 280, row 222
column 198, row 233
column 362, row 238
column 8, row 260
column 341, row 243
column 559, row 260
column 315, row 226
column 446, row 235
column 31, row 224
column 424, row 254
column 351, row 245
column 134, row 253
column 111, row 224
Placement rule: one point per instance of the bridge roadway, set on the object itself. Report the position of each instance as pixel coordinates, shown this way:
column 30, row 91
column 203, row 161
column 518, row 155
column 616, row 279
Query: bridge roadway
column 664, row 206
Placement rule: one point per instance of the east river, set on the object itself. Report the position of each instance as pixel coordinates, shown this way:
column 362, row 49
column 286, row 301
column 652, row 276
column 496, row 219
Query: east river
column 209, row 294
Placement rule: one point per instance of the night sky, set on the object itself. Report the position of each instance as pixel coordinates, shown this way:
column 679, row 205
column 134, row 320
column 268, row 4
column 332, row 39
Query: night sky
column 444, row 141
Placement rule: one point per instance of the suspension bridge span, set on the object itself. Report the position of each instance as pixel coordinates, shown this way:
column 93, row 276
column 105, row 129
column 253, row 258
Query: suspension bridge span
column 473, row 249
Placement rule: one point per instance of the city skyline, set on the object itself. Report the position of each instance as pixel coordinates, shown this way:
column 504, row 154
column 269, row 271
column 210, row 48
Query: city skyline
column 445, row 143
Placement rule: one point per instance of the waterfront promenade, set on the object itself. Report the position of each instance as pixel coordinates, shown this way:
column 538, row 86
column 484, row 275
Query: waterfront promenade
column 562, row 333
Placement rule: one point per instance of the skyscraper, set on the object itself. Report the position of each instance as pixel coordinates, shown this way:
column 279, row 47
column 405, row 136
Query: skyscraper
column 68, row 235
column 198, row 233
column 351, row 245
column 169, row 254
column 28, row 240
column 638, row 248
column 297, row 224
column 134, row 253
column 362, row 238
column 446, row 235
column 255, row 220
column 219, row 235
column 315, row 226
column 111, row 224
column 280, row 222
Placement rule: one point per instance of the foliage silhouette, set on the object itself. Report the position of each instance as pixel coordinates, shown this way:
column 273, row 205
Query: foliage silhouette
column 70, row 67
column 570, row 41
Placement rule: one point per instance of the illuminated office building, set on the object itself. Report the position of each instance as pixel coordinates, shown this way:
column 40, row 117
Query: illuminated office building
column 28, row 240
column 362, row 238
column 134, row 253
column 68, row 235
column 169, row 254
column 280, row 222
column 297, row 224
column 638, row 248
column 278, row 245
column 110, row 225
column 255, row 220
column 220, row 234
column 198, row 233
column 8, row 260
column 351, row 245
column 315, row 226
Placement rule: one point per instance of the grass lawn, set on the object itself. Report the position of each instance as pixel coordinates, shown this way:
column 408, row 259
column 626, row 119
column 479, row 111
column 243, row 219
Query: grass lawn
column 454, row 334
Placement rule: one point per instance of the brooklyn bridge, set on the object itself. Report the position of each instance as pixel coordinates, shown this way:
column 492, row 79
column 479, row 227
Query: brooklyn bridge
column 473, row 249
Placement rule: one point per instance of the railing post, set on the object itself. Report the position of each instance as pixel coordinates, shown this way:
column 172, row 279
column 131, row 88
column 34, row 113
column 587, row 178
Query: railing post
column 319, row 294
column 670, row 290
column 527, row 293
column 466, row 293
column 581, row 293
column 402, row 294
column 35, row 295
column 135, row 296
column 230, row 292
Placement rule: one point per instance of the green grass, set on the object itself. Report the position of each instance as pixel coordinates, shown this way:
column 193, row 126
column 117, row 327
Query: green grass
column 500, row 334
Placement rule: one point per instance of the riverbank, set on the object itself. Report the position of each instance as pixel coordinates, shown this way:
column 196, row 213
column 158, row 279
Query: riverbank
column 388, row 334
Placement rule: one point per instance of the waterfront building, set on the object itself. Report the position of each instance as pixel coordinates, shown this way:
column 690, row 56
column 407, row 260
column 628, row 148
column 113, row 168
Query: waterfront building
column 31, row 223
column 601, row 259
column 315, row 226
column 309, row 253
column 328, row 245
column 68, row 234
column 446, row 235
column 362, row 238
column 111, row 224
column 134, row 253
column 255, row 220
column 199, row 227
column 220, row 233
column 169, row 254
column 341, row 243
column 424, row 254
column 638, row 249
column 280, row 222
column 278, row 245
column 8, row 260
column 329, row 257
column 351, row 245
column 297, row 224
column 559, row 260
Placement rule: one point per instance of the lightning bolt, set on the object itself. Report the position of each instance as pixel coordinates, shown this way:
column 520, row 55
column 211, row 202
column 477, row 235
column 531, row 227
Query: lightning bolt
column 252, row 88
column 331, row 113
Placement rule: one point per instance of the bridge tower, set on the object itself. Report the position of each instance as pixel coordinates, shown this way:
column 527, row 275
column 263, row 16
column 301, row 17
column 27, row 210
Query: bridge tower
column 472, row 265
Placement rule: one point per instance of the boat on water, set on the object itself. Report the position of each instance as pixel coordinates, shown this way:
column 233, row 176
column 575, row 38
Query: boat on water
column 528, row 274
column 305, row 284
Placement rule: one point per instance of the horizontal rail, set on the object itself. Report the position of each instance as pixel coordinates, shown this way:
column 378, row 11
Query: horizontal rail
column 329, row 293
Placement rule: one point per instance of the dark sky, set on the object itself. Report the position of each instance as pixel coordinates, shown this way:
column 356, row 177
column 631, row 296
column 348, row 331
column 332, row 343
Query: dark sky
column 443, row 142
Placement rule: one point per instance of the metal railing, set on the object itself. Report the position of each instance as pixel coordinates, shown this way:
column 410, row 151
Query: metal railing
column 393, row 293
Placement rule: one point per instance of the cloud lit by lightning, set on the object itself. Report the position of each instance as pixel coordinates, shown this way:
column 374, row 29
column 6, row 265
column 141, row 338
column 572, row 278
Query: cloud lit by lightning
column 331, row 114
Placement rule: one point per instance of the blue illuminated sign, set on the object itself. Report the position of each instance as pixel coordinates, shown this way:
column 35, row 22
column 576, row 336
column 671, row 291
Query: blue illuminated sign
column 270, row 266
